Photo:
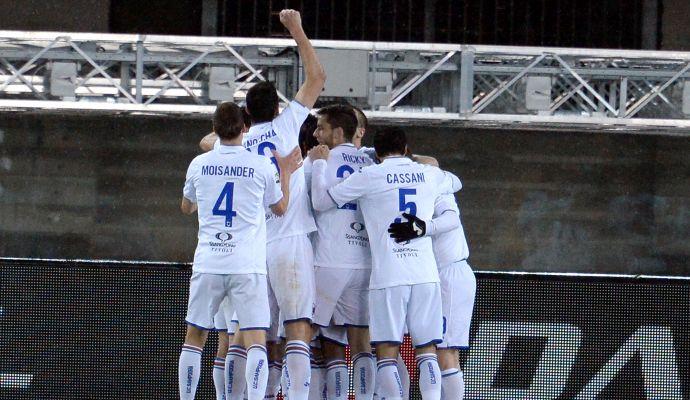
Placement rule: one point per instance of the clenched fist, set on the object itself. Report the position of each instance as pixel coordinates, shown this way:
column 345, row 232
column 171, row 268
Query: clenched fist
column 319, row 152
column 290, row 19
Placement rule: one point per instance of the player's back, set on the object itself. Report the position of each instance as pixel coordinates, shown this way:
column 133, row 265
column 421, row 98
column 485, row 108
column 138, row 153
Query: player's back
column 399, row 185
column 282, row 135
column 231, row 187
column 449, row 246
column 342, row 240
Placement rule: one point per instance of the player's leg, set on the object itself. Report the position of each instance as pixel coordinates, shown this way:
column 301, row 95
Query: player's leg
column 206, row 291
column 220, row 323
column 458, row 287
column 290, row 268
column 235, row 367
column 387, row 313
column 363, row 363
column 317, row 386
column 275, row 369
column 425, row 321
column 337, row 377
column 251, row 291
column 404, row 377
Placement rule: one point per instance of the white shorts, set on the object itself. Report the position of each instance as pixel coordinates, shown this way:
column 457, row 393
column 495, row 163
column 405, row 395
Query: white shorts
column 342, row 296
column 417, row 305
column 290, row 264
column 248, row 292
column 458, row 288
column 334, row 334
column 223, row 318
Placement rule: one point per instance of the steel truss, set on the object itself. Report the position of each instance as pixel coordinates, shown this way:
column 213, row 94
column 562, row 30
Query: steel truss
column 401, row 81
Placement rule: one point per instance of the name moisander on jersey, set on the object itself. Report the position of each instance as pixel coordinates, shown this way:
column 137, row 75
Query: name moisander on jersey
column 243, row 172
column 407, row 177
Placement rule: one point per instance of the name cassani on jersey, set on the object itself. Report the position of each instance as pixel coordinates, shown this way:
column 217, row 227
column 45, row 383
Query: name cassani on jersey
column 232, row 189
column 342, row 240
column 385, row 191
column 282, row 135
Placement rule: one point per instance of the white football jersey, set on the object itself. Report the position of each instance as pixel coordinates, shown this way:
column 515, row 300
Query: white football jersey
column 232, row 189
column 449, row 246
column 385, row 191
column 341, row 240
column 282, row 135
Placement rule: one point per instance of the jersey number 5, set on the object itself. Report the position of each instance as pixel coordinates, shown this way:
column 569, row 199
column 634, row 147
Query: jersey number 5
column 228, row 212
column 409, row 207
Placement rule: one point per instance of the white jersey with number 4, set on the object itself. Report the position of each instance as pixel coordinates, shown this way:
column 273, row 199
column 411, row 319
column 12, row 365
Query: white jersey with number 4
column 282, row 135
column 451, row 246
column 385, row 191
column 232, row 189
column 341, row 240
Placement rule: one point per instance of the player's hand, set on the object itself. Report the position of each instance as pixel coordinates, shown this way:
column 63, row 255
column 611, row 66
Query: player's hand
column 408, row 230
column 319, row 152
column 291, row 162
column 290, row 19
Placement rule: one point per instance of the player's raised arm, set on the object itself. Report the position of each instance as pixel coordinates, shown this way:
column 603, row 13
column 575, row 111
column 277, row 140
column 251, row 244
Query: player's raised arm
column 206, row 144
column 315, row 77
column 320, row 199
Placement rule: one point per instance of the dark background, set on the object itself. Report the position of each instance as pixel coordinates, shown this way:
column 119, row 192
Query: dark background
column 114, row 331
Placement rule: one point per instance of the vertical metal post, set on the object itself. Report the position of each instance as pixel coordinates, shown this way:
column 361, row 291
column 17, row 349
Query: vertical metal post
column 650, row 24
column 623, row 98
column 209, row 18
column 466, row 80
column 140, row 71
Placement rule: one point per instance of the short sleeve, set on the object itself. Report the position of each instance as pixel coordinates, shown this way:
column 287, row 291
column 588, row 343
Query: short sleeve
column 352, row 188
column 216, row 144
column 189, row 191
column 444, row 203
column 290, row 120
column 272, row 191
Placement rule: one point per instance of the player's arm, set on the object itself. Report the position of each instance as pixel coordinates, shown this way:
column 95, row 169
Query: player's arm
column 315, row 76
column 208, row 142
column 351, row 189
column 187, row 206
column 428, row 160
column 287, row 165
column 320, row 199
column 445, row 220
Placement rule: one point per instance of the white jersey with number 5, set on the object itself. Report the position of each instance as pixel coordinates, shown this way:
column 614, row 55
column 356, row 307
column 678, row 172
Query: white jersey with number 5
column 232, row 189
column 282, row 135
column 341, row 240
column 385, row 191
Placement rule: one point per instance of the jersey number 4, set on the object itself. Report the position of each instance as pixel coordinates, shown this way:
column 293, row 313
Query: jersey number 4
column 228, row 212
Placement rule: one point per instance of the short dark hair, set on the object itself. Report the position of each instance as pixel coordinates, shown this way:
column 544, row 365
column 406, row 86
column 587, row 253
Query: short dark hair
column 390, row 140
column 362, row 121
column 339, row 116
column 228, row 121
column 262, row 101
column 246, row 117
column 306, row 135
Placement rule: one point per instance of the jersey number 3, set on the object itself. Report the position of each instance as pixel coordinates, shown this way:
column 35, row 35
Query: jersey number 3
column 228, row 212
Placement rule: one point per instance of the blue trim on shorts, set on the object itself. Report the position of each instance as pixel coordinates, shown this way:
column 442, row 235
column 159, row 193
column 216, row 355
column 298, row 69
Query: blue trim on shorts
column 289, row 321
column 255, row 328
column 321, row 326
column 354, row 326
column 454, row 348
column 198, row 326
column 435, row 341
column 385, row 342
column 327, row 339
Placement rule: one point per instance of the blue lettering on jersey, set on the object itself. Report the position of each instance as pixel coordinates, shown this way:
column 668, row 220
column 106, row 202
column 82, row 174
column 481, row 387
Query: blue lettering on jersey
column 407, row 177
column 261, row 138
column 224, row 170
column 355, row 159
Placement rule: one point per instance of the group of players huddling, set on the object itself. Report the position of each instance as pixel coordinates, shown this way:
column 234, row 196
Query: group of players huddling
column 354, row 246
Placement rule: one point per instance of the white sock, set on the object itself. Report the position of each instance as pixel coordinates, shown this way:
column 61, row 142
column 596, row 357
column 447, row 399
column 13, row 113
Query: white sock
column 256, row 372
column 219, row 377
column 235, row 367
column 299, row 372
column 337, row 380
column 364, row 373
column 429, row 376
column 284, row 378
column 273, row 385
column 453, row 384
column 188, row 371
column 388, row 380
column 317, row 385
column 404, row 377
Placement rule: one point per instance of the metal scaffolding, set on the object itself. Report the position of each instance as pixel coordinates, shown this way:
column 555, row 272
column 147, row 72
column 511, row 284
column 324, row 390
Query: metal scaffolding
column 404, row 82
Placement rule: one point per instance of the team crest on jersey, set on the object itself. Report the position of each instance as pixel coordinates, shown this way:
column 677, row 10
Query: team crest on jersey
column 357, row 226
column 223, row 236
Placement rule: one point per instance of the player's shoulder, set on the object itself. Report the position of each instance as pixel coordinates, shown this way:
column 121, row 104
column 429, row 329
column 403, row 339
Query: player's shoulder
column 200, row 159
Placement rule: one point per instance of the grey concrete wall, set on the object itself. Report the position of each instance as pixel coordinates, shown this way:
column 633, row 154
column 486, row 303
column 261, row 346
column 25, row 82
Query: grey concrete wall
column 110, row 187
column 675, row 25
column 55, row 15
